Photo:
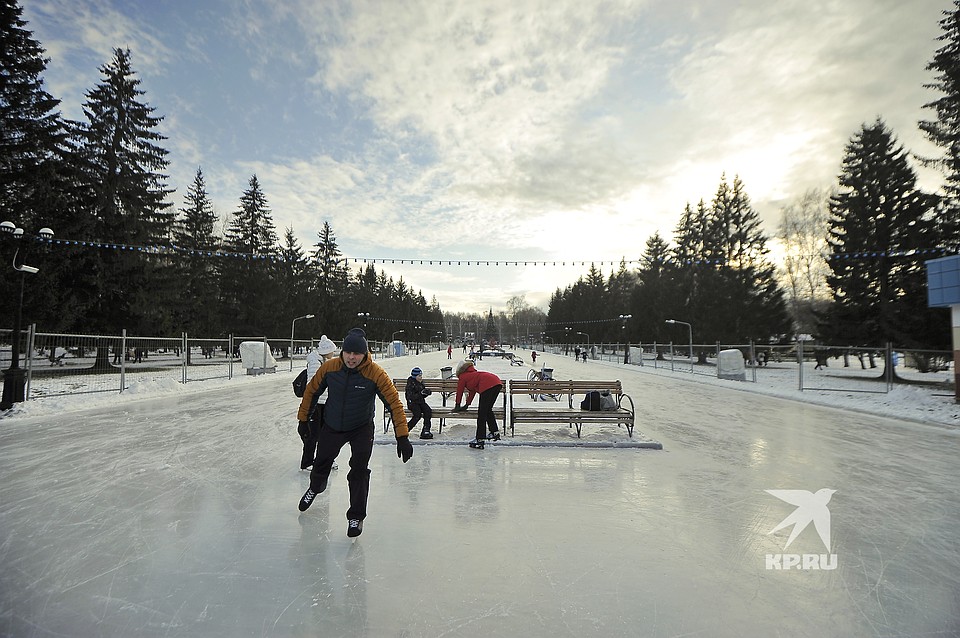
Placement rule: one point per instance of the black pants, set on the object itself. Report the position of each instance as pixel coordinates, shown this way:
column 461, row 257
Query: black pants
column 420, row 410
column 329, row 443
column 485, row 417
column 308, row 434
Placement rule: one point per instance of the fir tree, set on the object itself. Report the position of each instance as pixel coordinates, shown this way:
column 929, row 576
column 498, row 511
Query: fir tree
column 653, row 299
column 34, row 191
column 330, row 284
column 195, row 242
column 878, row 219
column 693, row 267
column 248, row 283
column 744, row 294
column 294, row 275
column 123, row 163
column 944, row 131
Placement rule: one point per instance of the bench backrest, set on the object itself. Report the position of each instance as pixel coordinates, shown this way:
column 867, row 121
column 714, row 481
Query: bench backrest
column 431, row 384
column 444, row 387
column 570, row 388
column 557, row 386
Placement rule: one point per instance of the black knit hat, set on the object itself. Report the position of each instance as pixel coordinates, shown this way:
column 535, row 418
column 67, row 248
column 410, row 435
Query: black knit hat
column 355, row 341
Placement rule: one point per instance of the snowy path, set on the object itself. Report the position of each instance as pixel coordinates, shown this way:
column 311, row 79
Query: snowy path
column 176, row 516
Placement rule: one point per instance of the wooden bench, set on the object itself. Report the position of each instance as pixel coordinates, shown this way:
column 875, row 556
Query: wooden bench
column 545, row 411
column 444, row 388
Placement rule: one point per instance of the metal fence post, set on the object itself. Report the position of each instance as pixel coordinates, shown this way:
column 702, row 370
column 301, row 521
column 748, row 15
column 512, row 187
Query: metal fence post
column 183, row 342
column 888, row 373
column 123, row 359
column 28, row 362
column 753, row 357
column 800, row 362
column 230, row 357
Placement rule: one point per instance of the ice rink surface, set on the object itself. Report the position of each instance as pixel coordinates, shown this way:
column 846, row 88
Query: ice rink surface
column 178, row 517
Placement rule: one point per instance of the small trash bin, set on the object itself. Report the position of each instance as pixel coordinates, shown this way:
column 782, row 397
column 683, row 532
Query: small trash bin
column 446, row 372
column 546, row 374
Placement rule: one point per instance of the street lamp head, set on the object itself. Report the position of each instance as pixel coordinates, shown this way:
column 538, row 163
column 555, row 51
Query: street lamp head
column 309, row 316
column 17, row 233
column 669, row 321
column 46, row 233
column 7, row 227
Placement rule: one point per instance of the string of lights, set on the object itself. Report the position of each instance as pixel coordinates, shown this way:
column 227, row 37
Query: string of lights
column 178, row 250
column 572, row 322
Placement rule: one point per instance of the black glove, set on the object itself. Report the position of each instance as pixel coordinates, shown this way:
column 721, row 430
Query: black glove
column 459, row 408
column 425, row 392
column 404, row 448
column 303, row 429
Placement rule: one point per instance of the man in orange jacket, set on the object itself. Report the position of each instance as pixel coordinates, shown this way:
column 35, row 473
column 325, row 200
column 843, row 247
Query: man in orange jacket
column 352, row 382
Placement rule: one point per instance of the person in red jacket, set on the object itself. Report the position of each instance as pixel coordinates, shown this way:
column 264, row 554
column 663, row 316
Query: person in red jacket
column 488, row 386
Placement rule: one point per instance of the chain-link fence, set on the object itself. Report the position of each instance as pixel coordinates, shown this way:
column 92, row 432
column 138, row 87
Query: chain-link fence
column 813, row 366
column 59, row 364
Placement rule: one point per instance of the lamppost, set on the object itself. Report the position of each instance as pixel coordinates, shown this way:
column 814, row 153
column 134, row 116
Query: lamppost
column 690, row 334
column 588, row 341
column 292, row 326
column 623, row 332
column 417, row 336
column 365, row 315
column 393, row 337
column 13, row 381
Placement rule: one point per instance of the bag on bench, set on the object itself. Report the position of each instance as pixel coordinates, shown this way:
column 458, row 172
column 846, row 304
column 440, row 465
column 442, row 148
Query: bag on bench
column 607, row 402
column 591, row 402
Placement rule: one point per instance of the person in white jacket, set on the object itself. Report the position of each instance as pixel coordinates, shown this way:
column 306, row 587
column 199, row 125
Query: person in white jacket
column 326, row 349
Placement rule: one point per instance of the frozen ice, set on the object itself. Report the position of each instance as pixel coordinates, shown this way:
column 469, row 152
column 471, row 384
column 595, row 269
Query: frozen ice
column 174, row 513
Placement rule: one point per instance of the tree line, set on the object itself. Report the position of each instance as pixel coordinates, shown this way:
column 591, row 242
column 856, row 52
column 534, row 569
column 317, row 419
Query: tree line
column 143, row 264
column 853, row 270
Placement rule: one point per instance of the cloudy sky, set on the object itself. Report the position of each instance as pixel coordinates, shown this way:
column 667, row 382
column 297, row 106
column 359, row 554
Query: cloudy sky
column 548, row 131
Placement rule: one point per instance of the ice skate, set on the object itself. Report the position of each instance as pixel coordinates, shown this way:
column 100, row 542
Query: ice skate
column 354, row 527
column 307, row 499
column 476, row 444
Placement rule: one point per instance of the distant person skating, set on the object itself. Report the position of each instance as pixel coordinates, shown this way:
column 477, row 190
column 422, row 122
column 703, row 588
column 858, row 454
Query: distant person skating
column 416, row 395
column 450, row 351
column 488, row 386
column 352, row 382
column 325, row 349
